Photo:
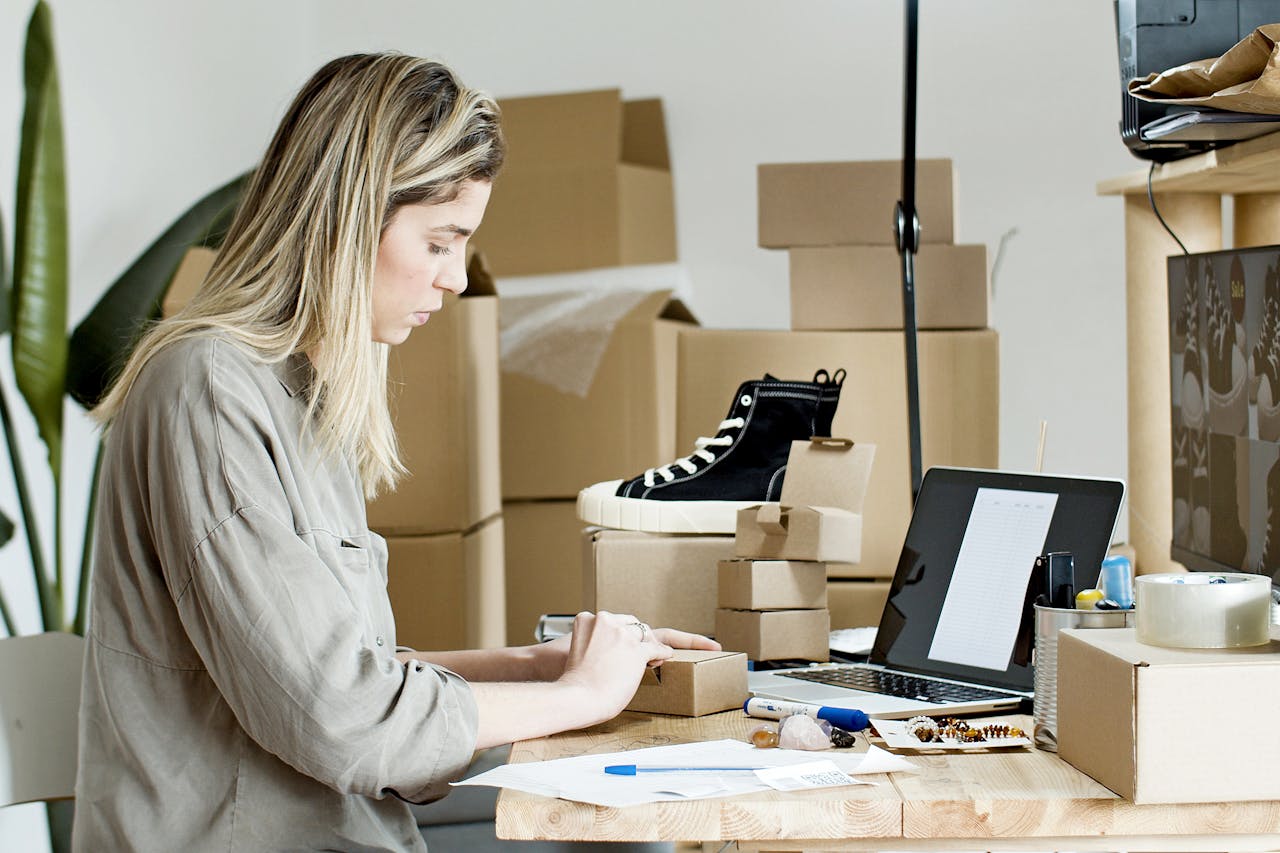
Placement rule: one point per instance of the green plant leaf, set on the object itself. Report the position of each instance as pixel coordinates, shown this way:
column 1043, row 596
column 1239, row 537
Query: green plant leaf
column 4, row 283
column 6, row 529
column 101, row 344
column 39, row 298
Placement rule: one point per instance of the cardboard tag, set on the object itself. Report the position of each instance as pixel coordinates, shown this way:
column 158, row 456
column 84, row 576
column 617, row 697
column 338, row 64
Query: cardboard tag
column 828, row 472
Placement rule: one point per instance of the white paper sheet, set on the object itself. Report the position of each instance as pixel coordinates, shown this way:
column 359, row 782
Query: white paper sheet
column 983, row 608
column 582, row 778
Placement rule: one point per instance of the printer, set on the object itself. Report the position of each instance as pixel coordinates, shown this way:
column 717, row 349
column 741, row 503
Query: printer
column 1156, row 35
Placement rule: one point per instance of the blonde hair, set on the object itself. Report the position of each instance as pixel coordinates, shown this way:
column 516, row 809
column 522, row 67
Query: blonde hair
column 365, row 136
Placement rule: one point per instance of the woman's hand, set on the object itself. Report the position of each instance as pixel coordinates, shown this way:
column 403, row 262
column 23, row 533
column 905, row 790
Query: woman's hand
column 551, row 657
column 608, row 652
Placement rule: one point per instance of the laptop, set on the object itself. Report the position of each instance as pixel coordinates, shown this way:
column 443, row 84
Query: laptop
column 946, row 639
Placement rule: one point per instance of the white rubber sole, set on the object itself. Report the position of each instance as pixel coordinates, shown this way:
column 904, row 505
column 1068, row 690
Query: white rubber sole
column 600, row 505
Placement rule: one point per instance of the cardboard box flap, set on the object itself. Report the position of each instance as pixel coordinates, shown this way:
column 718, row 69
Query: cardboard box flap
column 559, row 339
column 1123, row 644
column 644, row 134
column 828, row 472
column 564, row 130
column 677, row 311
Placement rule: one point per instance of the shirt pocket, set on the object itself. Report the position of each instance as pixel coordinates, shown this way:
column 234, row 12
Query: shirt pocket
column 353, row 560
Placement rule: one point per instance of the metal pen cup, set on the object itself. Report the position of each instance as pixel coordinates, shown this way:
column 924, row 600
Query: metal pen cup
column 1049, row 621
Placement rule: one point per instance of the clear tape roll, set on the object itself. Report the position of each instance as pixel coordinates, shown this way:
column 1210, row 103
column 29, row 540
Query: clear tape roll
column 1203, row 611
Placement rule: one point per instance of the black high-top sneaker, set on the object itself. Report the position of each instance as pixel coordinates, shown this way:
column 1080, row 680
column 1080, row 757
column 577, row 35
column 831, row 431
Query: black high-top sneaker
column 743, row 465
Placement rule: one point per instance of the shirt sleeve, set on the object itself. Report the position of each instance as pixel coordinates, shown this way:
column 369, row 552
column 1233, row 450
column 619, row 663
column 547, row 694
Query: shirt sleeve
column 280, row 615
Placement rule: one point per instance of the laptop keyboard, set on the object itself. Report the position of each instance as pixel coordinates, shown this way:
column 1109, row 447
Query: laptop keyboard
column 896, row 684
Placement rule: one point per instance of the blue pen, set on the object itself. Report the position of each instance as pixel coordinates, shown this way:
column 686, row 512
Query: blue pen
column 849, row 719
column 633, row 769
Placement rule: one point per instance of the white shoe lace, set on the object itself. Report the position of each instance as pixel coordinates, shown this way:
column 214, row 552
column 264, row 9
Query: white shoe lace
column 702, row 443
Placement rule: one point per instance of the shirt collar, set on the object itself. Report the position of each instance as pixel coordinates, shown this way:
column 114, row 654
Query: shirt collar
column 295, row 373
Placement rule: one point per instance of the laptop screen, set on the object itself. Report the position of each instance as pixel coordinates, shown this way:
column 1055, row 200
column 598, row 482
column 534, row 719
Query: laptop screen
column 957, row 595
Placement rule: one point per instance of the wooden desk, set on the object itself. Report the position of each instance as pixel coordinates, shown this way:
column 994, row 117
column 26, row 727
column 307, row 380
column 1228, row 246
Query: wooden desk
column 1011, row 800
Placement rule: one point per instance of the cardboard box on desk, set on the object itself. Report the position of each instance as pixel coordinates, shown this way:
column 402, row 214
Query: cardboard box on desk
column 586, row 183
column 839, row 204
column 772, row 585
column 544, row 563
column 664, row 579
column 444, row 382
column 692, row 683
column 860, row 287
column 1160, row 725
column 446, row 589
column 556, row 442
column 775, row 634
column 959, row 407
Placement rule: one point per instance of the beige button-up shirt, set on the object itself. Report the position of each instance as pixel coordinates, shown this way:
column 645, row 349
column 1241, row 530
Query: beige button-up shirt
column 240, row 688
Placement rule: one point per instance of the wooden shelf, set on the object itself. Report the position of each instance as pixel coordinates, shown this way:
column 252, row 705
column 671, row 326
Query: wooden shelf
column 1252, row 166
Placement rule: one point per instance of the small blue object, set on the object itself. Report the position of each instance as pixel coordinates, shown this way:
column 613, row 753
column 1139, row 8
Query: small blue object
column 1117, row 580
column 633, row 769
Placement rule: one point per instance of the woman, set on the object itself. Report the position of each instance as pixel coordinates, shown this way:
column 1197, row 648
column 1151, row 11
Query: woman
column 242, row 687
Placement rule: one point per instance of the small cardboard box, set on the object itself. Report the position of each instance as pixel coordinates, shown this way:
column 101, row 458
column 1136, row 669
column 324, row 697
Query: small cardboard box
column 446, row 589
column 775, row 531
column 775, row 634
column 772, row 585
column 856, row 603
column 959, row 407
column 444, row 384
column 544, row 563
column 692, row 683
column 851, row 203
column 860, row 287
column 586, row 183
column 664, row 579
column 1159, row 725
column 555, row 443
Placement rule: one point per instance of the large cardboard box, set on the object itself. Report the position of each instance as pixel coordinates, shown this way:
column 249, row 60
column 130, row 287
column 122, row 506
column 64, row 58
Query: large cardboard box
column 586, row 183
column 446, row 590
column 860, row 287
column 772, row 585
column 775, row 634
column 856, row 603
column 1159, row 725
column 838, row 204
column 444, row 382
column 959, row 406
column 692, row 683
column 662, row 578
column 555, row 443
column 544, row 564
column 187, row 279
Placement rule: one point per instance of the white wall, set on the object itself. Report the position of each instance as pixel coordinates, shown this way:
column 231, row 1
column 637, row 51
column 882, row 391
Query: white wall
column 162, row 101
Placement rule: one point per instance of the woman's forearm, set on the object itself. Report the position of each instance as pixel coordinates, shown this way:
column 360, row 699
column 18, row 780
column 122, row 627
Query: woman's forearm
column 515, row 664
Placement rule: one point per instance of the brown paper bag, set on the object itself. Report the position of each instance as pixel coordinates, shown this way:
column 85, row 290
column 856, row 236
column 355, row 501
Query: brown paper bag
column 1245, row 79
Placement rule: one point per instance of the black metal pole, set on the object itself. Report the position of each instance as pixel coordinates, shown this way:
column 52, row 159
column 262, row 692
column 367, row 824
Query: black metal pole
column 907, row 228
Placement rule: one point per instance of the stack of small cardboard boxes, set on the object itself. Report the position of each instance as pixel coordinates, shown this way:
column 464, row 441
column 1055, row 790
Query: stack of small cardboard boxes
column 773, row 601
column 598, row 197
column 443, row 523
column 846, row 304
